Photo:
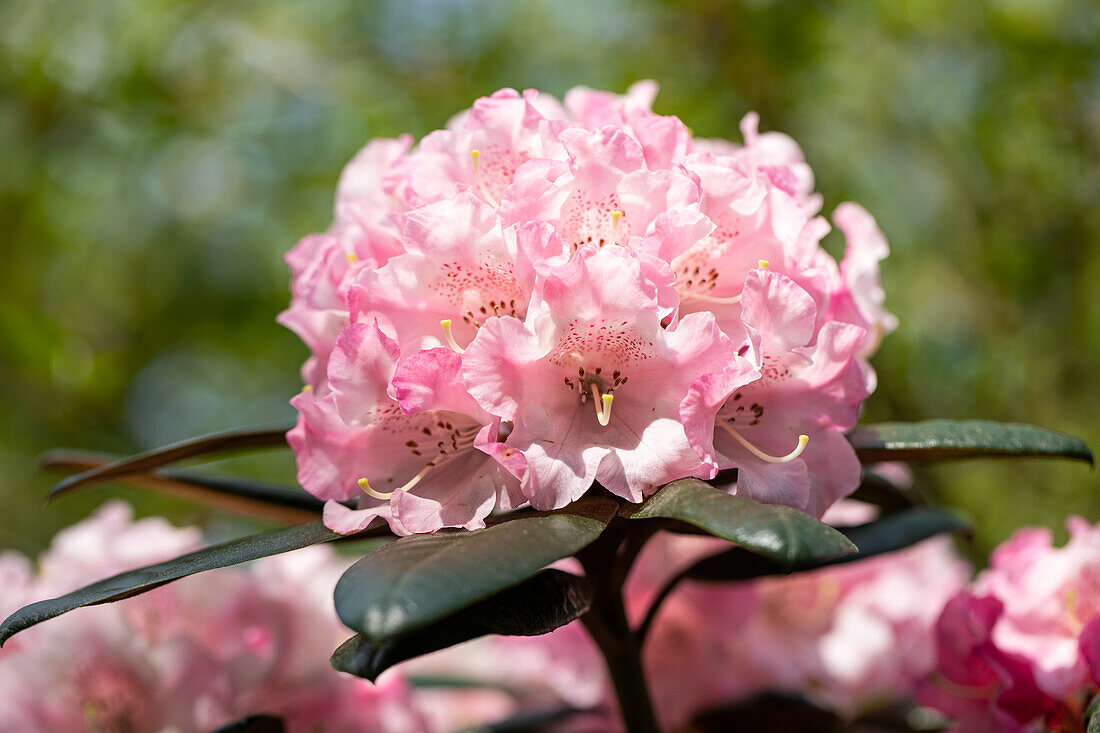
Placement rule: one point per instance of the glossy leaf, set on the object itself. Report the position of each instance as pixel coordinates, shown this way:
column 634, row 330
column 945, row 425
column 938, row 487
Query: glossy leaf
column 940, row 440
column 536, row 606
column 888, row 534
column 232, row 493
column 134, row 582
column 876, row 489
column 224, row 442
column 418, row 580
column 782, row 534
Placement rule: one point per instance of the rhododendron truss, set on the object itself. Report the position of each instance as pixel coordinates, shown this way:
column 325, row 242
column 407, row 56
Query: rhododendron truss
column 627, row 308
column 539, row 337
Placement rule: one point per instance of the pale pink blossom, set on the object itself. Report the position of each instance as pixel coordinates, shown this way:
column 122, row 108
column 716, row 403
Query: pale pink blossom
column 190, row 656
column 593, row 383
column 784, row 431
column 851, row 637
column 421, row 459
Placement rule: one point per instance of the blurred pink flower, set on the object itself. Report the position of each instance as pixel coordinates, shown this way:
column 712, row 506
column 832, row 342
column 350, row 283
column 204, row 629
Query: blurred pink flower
column 1021, row 644
column 850, row 637
column 190, row 656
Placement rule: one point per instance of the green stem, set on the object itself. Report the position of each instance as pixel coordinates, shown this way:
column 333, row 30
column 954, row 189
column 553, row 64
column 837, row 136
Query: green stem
column 606, row 563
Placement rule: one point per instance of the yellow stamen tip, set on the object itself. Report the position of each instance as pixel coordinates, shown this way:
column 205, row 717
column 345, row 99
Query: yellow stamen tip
column 366, row 487
column 445, row 324
column 352, row 258
column 475, row 154
column 763, row 263
column 307, row 388
column 616, row 215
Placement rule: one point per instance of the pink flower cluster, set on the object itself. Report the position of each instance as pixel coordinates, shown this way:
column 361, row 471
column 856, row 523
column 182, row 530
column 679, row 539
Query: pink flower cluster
column 1019, row 649
column 545, row 294
column 190, row 656
column 851, row 638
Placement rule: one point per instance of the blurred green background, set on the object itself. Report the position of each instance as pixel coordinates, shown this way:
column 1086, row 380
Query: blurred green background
column 159, row 157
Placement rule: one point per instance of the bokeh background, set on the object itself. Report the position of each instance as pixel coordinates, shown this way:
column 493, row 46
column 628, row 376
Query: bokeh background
column 157, row 158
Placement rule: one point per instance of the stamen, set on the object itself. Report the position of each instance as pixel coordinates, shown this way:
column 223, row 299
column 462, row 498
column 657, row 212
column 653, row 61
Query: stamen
column 474, row 156
column 602, row 404
column 615, row 216
column 763, row 263
column 445, row 324
column 364, row 484
column 802, row 441
column 714, row 299
column 307, row 387
column 352, row 258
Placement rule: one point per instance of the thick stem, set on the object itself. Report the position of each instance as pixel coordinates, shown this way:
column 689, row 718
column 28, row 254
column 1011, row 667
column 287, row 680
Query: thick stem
column 605, row 563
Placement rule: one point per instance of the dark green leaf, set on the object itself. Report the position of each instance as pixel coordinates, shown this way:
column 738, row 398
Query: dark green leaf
column 880, row 491
column 260, row 723
column 138, row 581
column 224, row 442
column 888, row 534
column 536, row 606
column 780, row 533
column 420, row 579
column 231, row 493
column 939, row 440
column 1092, row 716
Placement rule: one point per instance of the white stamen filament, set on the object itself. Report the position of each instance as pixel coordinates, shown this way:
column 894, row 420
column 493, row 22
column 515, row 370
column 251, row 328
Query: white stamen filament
column 714, row 298
column 385, row 495
column 802, row 441
column 615, row 217
column 602, row 404
column 445, row 324
column 474, row 156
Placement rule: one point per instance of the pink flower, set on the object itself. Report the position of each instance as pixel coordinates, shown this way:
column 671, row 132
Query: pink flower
column 1031, row 623
column 804, row 389
column 852, row 637
column 193, row 655
column 593, row 383
column 422, row 459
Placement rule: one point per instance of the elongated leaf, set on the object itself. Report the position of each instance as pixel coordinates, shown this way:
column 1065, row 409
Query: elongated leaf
column 888, row 534
column 418, row 580
column 232, row 493
column 1092, row 716
column 536, row 606
column 224, row 442
column 782, row 534
column 878, row 490
column 939, row 440
column 138, row 581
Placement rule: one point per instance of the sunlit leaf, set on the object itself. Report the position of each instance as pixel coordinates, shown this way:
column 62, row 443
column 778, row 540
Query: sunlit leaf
column 418, row 580
column 940, row 440
column 232, row 493
column 782, row 534
column 888, row 534
column 536, row 606
column 215, row 443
